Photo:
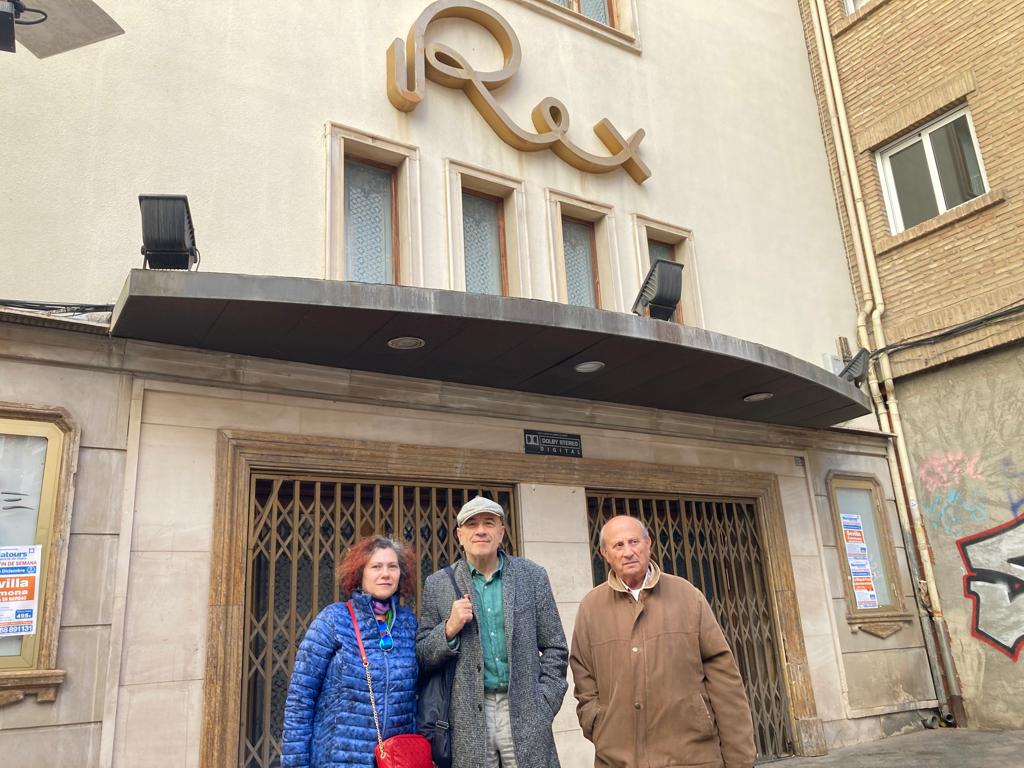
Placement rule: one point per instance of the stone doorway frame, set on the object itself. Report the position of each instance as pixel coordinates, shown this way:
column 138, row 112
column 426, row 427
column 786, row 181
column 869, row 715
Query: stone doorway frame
column 240, row 453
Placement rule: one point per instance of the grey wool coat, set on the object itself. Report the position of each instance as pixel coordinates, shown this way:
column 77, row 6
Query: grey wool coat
column 537, row 653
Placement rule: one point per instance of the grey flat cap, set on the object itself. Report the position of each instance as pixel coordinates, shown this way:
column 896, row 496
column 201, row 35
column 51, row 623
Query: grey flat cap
column 476, row 505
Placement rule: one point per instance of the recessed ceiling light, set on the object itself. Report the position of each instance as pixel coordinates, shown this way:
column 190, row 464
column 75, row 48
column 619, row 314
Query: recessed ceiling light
column 591, row 366
column 758, row 397
column 406, row 342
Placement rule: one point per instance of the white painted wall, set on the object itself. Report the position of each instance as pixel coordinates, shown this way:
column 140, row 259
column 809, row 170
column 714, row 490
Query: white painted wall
column 227, row 102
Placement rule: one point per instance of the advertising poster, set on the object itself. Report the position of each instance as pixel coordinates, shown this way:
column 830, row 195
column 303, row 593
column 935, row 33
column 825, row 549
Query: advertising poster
column 857, row 556
column 19, row 577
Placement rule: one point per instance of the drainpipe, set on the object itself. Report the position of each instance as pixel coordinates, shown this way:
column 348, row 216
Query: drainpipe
column 867, row 305
column 883, row 394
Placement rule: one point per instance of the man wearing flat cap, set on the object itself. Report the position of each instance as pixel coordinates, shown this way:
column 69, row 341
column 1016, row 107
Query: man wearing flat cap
column 503, row 631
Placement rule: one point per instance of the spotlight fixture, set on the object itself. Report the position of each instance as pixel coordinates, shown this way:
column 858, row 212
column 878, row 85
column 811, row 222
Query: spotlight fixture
column 857, row 369
column 406, row 342
column 168, row 237
column 758, row 397
column 661, row 290
column 590, row 366
column 10, row 14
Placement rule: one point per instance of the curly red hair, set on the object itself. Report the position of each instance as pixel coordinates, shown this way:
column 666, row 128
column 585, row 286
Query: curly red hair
column 350, row 569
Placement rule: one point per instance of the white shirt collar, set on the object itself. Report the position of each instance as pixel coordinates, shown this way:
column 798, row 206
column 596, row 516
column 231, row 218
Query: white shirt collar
column 636, row 592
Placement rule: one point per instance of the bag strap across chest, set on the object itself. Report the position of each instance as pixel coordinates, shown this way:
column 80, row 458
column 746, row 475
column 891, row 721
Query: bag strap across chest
column 366, row 669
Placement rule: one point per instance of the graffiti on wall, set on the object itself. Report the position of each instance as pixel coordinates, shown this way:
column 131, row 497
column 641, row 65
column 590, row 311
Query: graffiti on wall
column 953, row 491
column 994, row 578
column 994, row 581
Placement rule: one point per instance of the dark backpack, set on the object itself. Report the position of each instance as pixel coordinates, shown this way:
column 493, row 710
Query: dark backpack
column 434, row 704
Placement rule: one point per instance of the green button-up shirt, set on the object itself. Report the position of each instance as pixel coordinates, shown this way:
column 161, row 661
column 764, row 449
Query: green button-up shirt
column 492, row 627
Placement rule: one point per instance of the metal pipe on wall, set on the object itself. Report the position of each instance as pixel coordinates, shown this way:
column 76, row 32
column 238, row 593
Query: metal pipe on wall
column 883, row 393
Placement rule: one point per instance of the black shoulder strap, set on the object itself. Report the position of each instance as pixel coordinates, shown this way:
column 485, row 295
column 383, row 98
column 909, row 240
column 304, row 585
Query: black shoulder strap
column 450, row 570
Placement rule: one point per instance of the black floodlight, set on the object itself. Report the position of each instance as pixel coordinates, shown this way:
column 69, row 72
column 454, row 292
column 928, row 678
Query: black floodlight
column 168, row 238
column 661, row 290
column 7, row 27
column 857, row 369
column 10, row 14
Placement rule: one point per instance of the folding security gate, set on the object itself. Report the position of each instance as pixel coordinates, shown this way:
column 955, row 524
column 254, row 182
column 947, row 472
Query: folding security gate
column 299, row 528
column 716, row 544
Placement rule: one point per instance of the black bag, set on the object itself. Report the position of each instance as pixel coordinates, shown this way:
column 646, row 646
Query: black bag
column 434, row 705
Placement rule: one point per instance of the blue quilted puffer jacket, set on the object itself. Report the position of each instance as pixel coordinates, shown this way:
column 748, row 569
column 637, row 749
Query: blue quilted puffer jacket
column 328, row 722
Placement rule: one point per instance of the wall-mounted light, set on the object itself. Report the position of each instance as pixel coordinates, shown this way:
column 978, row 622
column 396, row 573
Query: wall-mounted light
column 857, row 369
column 168, row 237
column 10, row 14
column 661, row 290
column 406, row 342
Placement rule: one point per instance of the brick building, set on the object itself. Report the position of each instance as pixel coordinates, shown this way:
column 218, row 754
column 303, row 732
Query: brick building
column 920, row 104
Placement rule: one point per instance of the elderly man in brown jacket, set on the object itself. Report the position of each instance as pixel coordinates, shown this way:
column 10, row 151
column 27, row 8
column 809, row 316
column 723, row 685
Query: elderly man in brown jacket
column 655, row 680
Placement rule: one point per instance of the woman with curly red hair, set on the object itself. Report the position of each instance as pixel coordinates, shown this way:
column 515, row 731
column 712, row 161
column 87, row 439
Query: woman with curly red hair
column 328, row 717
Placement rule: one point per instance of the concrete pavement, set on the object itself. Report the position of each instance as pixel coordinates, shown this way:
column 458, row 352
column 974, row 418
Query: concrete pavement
column 939, row 748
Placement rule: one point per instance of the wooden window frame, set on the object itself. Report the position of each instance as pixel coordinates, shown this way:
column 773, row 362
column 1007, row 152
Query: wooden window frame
column 346, row 143
column 463, row 177
column 895, row 613
column 396, row 262
column 608, row 292
column 575, row 6
column 502, row 242
column 888, row 182
column 622, row 32
column 35, row 670
column 595, row 271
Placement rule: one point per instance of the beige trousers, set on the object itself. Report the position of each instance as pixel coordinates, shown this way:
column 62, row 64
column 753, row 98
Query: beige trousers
column 498, row 751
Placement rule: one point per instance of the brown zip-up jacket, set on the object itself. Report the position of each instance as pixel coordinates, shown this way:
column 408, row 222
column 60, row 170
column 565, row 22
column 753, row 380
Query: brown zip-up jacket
column 656, row 682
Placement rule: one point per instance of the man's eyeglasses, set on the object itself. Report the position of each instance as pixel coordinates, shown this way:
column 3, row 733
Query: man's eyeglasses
column 386, row 641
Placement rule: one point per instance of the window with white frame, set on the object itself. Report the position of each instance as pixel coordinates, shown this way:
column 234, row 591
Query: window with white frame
column 483, row 240
column 583, row 252
column 854, row 5
column 579, row 251
column 486, row 231
column 614, row 21
column 601, row 11
column 931, row 171
column 371, row 225
column 373, row 197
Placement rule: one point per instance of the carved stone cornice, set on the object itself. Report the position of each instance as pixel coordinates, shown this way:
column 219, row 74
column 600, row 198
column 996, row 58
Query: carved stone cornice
column 16, row 685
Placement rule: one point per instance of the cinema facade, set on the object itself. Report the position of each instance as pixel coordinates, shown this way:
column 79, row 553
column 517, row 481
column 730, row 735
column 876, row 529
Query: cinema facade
column 406, row 298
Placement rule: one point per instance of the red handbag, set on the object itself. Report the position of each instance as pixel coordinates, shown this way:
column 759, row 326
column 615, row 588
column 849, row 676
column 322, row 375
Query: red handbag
column 406, row 750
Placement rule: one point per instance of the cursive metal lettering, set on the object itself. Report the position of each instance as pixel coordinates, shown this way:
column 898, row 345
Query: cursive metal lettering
column 412, row 62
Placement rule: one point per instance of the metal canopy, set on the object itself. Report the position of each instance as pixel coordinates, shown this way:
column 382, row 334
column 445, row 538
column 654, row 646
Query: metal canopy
column 506, row 343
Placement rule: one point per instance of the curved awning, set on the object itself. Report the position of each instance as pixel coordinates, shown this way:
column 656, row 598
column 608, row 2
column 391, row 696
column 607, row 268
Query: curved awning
column 507, row 343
